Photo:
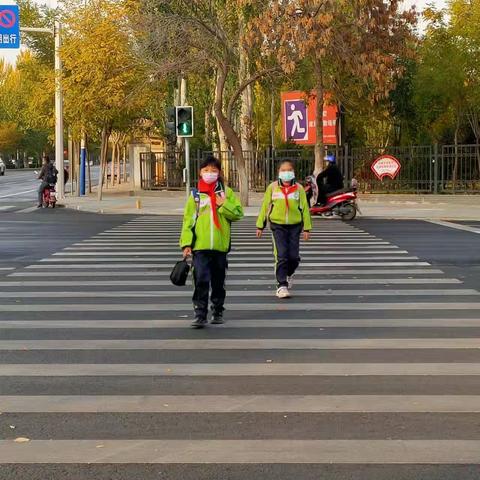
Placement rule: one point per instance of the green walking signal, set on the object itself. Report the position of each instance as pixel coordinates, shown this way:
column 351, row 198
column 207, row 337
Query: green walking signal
column 184, row 121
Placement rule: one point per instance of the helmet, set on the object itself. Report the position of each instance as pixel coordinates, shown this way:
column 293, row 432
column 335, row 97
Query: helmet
column 330, row 159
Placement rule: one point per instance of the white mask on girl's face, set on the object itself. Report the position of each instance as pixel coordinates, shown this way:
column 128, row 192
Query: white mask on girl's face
column 287, row 176
column 210, row 177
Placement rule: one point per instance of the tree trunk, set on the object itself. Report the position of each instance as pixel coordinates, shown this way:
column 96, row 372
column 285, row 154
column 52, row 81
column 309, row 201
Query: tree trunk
column 76, row 162
column 114, row 160
column 87, row 158
column 119, row 156
column 246, row 112
column 223, row 150
column 474, row 120
column 124, row 151
column 320, row 94
column 208, row 128
column 272, row 121
column 70, row 161
column 455, row 164
column 106, row 130
column 182, row 100
column 231, row 135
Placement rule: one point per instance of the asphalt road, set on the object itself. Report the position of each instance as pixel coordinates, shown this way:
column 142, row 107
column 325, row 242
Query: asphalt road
column 372, row 370
column 18, row 189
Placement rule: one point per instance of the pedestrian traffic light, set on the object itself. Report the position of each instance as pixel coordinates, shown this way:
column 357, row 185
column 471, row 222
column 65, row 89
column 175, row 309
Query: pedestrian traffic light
column 170, row 124
column 184, row 121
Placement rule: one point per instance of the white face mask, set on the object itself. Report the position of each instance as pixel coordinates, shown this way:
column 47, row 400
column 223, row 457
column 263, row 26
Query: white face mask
column 287, row 176
column 210, row 177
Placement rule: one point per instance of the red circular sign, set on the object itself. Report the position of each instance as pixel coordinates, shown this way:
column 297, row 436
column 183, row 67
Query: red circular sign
column 386, row 166
column 7, row 18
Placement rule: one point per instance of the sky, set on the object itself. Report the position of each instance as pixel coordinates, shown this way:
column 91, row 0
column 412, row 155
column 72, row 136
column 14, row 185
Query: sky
column 10, row 55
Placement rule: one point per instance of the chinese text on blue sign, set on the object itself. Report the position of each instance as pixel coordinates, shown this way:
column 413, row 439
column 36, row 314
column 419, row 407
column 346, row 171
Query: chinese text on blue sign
column 9, row 26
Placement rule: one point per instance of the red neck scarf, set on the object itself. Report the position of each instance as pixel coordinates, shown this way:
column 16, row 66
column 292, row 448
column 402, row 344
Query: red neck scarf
column 209, row 189
column 287, row 190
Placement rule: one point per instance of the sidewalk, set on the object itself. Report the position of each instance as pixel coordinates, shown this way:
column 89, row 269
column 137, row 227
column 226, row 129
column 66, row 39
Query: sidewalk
column 123, row 200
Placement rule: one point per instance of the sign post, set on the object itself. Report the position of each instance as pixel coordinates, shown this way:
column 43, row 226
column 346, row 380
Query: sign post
column 59, row 153
column 9, row 26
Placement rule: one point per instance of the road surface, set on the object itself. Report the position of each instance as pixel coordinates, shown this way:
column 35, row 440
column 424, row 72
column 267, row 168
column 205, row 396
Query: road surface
column 18, row 189
column 372, row 370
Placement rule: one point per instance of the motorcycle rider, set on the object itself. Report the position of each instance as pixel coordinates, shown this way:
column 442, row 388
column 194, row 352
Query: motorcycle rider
column 48, row 176
column 330, row 180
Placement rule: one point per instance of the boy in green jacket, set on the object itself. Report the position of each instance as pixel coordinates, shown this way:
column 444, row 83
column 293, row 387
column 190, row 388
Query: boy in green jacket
column 286, row 207
column 209, row 212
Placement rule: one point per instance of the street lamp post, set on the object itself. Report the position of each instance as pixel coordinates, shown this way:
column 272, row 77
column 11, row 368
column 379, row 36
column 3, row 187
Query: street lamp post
column 59, row 113
column 59, row 163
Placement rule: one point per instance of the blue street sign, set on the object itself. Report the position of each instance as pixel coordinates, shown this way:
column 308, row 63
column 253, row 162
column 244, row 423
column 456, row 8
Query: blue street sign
column 9, row 26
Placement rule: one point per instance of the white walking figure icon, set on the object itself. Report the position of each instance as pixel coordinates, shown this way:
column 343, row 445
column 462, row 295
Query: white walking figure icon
column 296, row 116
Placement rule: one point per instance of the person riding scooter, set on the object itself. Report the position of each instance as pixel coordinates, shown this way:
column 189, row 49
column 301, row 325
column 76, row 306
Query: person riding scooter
column 48, row 176
column 330, row 180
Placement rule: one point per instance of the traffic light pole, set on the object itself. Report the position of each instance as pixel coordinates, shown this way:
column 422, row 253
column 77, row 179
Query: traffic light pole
column 187, row 166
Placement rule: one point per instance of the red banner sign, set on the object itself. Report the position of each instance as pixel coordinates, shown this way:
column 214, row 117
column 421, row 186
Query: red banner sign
column 386, row 166
column 298, row 119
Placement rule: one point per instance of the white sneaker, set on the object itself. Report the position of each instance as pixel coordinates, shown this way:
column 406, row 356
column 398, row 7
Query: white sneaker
column 283, row 292
column 290, row 281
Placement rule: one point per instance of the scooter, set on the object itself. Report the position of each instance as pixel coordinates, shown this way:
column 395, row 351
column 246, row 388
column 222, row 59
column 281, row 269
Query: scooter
column 49, row 196
column 342, row 203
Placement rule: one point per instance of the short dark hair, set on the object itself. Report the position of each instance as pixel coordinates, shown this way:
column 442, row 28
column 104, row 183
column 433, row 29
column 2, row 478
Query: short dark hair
column 290, row 162
column 46, row 158
column 211, row 161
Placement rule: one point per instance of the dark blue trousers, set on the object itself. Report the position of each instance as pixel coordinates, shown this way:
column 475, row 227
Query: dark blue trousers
column 286, row 247
column 209, row 272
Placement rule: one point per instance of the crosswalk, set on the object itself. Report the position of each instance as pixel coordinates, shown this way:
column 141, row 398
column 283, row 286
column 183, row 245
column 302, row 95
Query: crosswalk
column 374, row 361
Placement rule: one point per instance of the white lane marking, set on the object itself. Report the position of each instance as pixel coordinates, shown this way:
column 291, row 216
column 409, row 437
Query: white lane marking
column 235, row 253
column 456, row 226
column 266, row 306
column 387, row 273
column 28, row 210
column 430, row 322
column 18, row 193
column 242, row 451
column 166, row 294
column 244, row 282
column 240, row 403
column 232, row 266
column 237, row 369
column 248, row 344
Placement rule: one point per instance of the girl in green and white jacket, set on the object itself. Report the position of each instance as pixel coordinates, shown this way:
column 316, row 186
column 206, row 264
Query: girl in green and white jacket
column 286, row 207
column 209, row 212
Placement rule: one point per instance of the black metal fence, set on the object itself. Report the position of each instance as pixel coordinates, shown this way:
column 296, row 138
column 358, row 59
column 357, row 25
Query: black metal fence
column 425, row 169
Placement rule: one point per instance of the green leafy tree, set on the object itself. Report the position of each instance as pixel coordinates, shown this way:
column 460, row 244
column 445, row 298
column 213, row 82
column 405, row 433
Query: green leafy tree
column 103, row 82
column 339, row 39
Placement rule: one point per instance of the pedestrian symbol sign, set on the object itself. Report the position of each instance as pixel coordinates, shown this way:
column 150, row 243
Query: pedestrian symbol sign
column 9, row 26
column 297, row 120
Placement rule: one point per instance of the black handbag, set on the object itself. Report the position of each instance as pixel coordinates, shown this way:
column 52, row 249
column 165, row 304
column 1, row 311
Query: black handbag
column 180, row 273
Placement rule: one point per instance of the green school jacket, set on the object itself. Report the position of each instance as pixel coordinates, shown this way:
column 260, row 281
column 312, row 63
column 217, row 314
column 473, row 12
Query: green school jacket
column 200, row 233
column 274, row 208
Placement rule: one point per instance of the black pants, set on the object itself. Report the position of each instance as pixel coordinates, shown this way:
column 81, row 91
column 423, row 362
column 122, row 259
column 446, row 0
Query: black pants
column 286, row 247
column 323, row 190
column 42, row 187
column 209, row 271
